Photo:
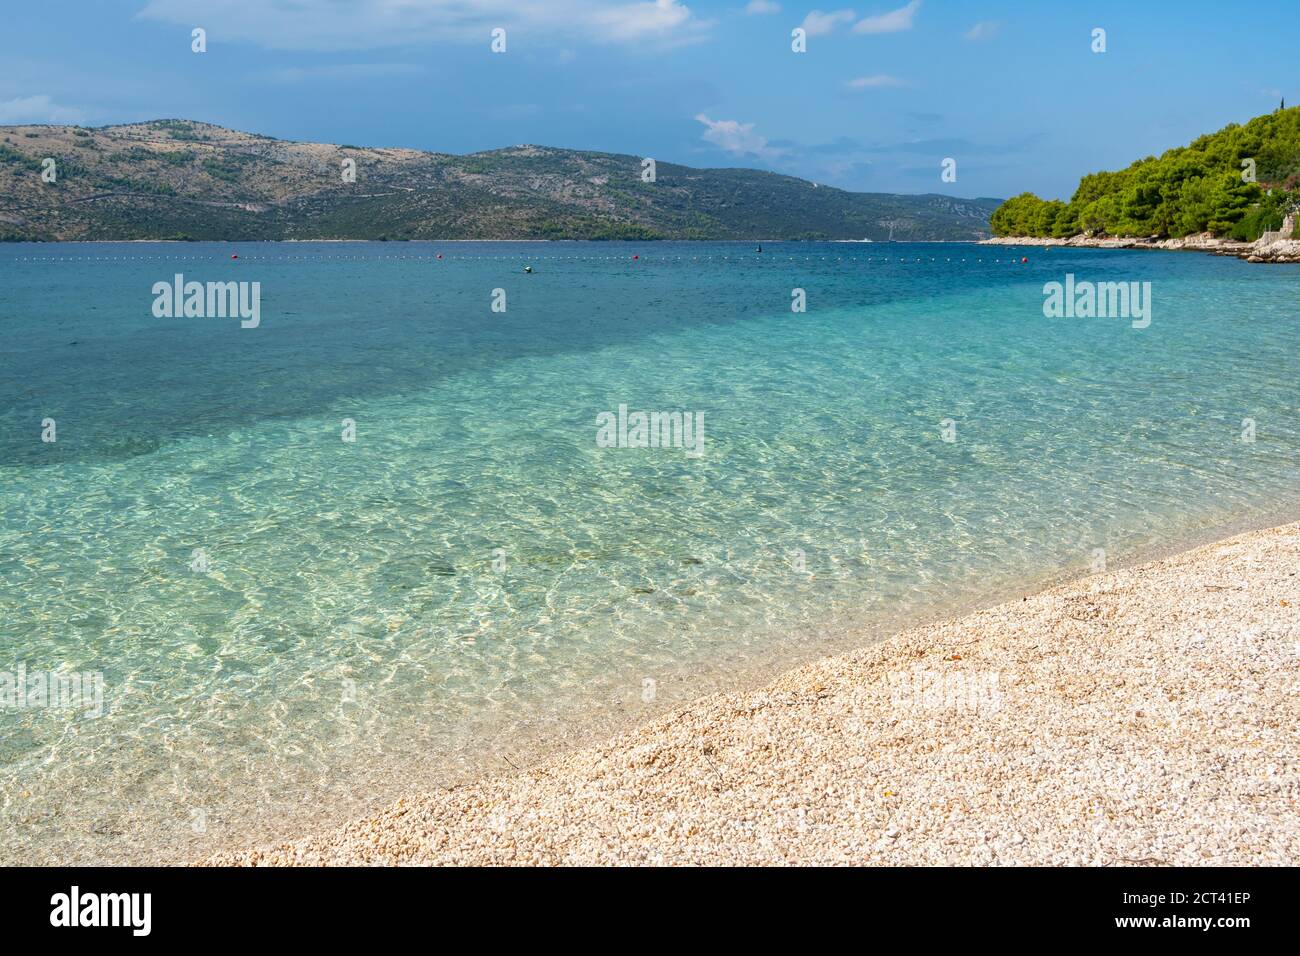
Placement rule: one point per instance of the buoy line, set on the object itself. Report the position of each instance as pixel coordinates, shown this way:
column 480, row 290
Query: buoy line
column 442, row 258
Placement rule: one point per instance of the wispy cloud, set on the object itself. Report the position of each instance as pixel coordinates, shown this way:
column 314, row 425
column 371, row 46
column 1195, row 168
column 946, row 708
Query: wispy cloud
column 638, row 21
column 762, row 6
column 342, row 71
column 737, row 138
column 984, row 30
column 877, row 82
column 37, row 109
column 516, row 111
column 928, row 147
column 368, row 24
column 819, row 24
column 895, row 21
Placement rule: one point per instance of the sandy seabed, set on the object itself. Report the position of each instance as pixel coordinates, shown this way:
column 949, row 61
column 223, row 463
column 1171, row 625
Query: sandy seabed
column 1145, row 716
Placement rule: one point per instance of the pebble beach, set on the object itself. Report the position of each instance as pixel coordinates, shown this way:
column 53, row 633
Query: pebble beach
column 1146, row 716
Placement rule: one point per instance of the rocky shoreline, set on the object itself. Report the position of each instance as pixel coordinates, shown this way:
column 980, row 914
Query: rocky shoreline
column 1262, row 250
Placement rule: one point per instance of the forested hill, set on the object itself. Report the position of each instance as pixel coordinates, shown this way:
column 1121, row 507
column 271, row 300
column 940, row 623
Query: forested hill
column 177, row 179
column 1202, row 187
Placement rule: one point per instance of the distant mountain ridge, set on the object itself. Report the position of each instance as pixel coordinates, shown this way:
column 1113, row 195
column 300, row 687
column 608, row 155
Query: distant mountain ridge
column 180, row 179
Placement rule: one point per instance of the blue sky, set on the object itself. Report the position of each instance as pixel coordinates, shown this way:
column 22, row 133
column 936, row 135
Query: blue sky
column 885, row 92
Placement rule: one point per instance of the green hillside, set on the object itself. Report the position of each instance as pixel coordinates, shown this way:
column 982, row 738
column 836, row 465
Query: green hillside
column 177, row 179
column 1191, row 189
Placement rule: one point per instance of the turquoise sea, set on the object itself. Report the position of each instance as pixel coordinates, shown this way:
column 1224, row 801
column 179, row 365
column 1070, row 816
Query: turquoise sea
column 475, row 580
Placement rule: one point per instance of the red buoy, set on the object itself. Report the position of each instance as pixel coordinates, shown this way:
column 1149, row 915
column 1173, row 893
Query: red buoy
column 234, row 257
column 440, row 255
column 1024, row 258
column 636, row 257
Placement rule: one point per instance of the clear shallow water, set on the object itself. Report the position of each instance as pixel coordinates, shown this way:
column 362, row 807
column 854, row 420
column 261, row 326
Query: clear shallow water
column 354, row 637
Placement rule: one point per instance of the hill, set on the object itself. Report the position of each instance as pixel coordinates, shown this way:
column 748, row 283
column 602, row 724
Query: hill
column 177, row 179
column 1199, row 188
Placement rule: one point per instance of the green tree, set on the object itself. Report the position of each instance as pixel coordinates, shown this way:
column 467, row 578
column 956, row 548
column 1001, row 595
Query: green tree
column 1186, row 190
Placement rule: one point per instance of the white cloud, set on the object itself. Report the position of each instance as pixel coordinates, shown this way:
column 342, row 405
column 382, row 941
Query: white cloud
column 636, row 21
column 736, row 137
column 879, row 81
column 369, row 24
column 37, row 109
column 984, row 30
column 895, row 21
column 819, row 24
column 762, row 6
